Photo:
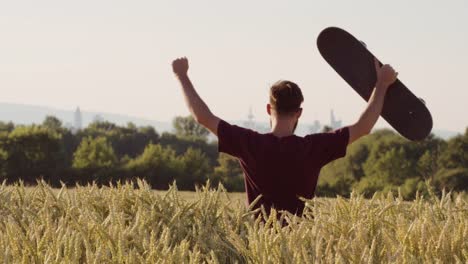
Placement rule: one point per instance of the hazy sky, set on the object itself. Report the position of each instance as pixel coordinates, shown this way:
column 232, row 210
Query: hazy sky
column 114, row 56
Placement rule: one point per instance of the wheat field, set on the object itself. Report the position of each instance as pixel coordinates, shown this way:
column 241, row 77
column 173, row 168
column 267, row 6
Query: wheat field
column 123, row 224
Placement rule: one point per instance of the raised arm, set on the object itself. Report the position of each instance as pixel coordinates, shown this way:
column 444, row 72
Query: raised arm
column 386, row 75
column 197, row 107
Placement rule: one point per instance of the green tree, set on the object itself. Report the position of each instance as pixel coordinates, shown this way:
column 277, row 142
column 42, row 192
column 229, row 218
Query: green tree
column 69, row 141
column 370, row 185
column 456, row 154
column 3, row 164
column 196, row 167
column 392, row 159
column 157, row 164
column 126, row 140
column 6, row 127
column 188, row 127
column 229, row 173
column 94, row 153
column 392, row 167
column 453, row 179
column 182, row 144
column 453, row 164
column 31, row 152
column 101, row 126
column 52, row 122
column 338, row 177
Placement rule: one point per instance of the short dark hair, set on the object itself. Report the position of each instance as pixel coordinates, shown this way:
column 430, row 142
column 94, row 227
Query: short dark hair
column 285, row 97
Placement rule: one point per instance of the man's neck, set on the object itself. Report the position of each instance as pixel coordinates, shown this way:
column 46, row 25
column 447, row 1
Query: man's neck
column 282, row 127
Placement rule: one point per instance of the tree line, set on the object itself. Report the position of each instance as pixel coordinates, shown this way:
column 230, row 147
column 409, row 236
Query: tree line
column 105, row 152
column 385, row 161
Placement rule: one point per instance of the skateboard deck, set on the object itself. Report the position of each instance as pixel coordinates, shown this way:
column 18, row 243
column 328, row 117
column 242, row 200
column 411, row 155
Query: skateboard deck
column 351, row 59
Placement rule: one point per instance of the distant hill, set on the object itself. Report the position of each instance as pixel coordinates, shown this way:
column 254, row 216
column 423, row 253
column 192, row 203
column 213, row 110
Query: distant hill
column 445, row 134
column 29, row 114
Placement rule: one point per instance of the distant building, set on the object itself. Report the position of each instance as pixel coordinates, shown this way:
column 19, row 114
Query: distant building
column 98, row 118
column 334, row 124
column 315, row 128
column 78, row 120
column 250, row 123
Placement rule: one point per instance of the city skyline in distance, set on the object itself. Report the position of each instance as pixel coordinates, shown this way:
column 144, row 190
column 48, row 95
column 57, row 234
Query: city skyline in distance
column 28, row 114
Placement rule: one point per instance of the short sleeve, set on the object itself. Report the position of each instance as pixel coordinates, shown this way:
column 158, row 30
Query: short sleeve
column 234, row 140
column 327, row 147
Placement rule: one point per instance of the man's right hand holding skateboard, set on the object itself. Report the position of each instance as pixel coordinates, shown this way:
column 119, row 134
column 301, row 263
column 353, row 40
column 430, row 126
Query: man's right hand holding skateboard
column 386, row 75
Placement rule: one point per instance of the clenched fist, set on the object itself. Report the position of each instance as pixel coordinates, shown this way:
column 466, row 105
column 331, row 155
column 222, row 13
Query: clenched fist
column 180, row 66
column 386, row 75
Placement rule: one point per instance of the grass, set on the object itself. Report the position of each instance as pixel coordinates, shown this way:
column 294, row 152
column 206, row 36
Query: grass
column 121, row 224
column 232, row 197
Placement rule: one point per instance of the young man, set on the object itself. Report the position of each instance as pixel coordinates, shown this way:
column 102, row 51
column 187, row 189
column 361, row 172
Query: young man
column 279, row 165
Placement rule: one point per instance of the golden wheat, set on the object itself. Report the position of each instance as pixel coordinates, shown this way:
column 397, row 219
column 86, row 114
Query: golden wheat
column 122, row 224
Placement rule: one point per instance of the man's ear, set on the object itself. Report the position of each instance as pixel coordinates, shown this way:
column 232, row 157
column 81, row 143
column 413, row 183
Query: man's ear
column 269, row 109
column 299, row 113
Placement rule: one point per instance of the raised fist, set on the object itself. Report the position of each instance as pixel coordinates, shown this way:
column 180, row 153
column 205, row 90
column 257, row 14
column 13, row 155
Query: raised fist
column 180, row 66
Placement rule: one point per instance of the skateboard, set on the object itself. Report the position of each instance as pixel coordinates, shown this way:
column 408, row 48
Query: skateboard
column 351, row 59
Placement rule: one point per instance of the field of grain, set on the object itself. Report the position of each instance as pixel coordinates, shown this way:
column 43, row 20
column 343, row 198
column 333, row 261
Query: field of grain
column 122, row 224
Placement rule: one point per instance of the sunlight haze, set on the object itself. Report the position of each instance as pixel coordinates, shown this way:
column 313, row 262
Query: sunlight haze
column 115, row 56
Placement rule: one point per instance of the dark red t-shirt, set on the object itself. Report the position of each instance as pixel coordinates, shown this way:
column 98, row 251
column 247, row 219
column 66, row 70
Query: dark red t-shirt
column 281, row 169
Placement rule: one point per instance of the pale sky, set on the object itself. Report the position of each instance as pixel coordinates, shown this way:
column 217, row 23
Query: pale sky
column 114, row 56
